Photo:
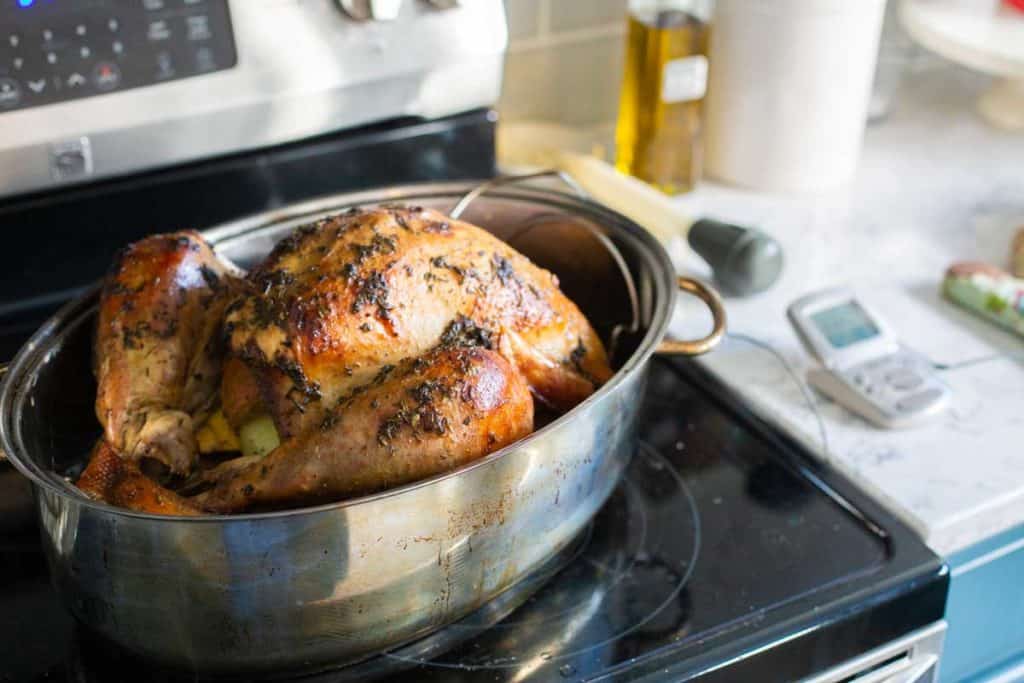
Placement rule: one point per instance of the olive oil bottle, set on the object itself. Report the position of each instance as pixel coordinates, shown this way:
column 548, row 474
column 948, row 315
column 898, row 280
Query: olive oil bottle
column 658, row 136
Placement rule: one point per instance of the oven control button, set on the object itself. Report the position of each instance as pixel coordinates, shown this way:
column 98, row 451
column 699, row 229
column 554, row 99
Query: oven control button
column 164, row 65
column 106, row 76
column 197, row 27
column 158, row 30
column 375, row 10
column 70, row 160
column 75, row 80
column 205, row 60
column 36, row 86
column 10, row 93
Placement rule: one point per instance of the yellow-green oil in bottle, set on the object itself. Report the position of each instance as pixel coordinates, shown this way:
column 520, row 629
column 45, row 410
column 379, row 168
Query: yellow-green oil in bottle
column 658, row 136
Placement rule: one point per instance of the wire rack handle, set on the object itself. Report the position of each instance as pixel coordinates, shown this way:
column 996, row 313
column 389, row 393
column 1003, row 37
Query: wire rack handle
column 484, row 187
column 627, row 277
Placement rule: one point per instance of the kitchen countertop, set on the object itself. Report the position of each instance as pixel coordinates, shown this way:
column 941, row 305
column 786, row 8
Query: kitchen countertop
column 936, row 184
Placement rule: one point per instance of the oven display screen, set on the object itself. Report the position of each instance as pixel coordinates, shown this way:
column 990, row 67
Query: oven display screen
column 57, row 50
column 845, row 324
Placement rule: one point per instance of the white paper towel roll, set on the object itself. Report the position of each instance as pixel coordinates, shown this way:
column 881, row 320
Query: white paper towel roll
column 788, row 90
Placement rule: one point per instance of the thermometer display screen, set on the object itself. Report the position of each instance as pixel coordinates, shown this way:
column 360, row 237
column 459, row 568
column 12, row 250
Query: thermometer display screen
column 845, row 324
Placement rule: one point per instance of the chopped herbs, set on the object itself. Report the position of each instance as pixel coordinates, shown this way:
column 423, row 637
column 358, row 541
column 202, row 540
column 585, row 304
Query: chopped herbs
column 293, row 370
column 382, row 374
column 442, row 262
column 503, row 269
column 372, row 291
column 578, row 353
column 380, row 244
column 132, row 337
column 464, row 333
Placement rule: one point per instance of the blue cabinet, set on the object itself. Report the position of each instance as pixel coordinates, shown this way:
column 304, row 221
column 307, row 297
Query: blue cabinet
column 985, row 611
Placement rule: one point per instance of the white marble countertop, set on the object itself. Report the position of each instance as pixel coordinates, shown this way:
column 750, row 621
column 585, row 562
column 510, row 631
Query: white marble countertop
column 936, row 184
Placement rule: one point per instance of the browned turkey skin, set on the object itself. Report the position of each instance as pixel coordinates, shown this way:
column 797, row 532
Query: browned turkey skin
column 386, row 346
column 343, row 297
column 428, row 416
column 118, row 481
column 159, row 347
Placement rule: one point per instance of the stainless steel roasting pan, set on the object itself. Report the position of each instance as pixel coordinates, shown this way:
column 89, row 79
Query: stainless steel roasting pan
column 317, row 587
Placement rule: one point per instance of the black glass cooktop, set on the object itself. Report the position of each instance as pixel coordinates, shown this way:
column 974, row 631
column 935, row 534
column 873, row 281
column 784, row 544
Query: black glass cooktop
column 724, row 554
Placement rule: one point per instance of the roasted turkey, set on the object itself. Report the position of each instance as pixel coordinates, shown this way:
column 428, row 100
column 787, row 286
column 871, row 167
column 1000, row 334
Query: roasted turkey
column 369, row 349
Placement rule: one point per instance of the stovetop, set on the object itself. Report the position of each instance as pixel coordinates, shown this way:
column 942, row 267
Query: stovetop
column 725, row 553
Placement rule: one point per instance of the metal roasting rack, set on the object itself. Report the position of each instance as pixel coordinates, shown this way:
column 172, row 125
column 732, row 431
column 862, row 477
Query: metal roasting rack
column 483, row 188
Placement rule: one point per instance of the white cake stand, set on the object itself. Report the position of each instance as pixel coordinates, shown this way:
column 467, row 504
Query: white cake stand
column 982, row 35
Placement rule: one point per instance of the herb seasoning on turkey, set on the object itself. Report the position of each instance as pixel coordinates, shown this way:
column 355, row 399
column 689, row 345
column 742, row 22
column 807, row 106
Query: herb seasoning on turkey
column 368, row 350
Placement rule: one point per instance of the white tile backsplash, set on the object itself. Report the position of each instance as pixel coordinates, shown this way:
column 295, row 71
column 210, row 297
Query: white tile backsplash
column 565, row 60
column 569, row 15
column 523, row 18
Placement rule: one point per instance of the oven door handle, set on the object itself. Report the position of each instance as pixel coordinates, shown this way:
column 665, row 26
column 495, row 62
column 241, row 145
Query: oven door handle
column 906, row 669
column 923, row 672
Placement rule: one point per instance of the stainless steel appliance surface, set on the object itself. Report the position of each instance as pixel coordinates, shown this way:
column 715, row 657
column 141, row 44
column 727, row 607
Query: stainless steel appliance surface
column 90, row 90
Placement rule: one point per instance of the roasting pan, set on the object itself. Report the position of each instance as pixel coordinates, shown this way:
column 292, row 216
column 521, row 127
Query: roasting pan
column 322, row 586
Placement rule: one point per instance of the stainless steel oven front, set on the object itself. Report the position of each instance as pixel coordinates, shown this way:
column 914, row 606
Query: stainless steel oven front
column 96, row 88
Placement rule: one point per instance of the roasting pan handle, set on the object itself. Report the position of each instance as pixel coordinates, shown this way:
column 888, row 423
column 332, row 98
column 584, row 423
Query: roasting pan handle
column 695, row 347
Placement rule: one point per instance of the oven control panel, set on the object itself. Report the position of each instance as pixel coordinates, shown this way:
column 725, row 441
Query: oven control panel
column 58, row 50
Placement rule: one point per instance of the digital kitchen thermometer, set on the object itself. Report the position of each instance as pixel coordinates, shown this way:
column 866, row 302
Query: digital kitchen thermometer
column 865, row 368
